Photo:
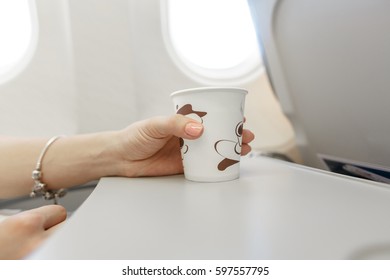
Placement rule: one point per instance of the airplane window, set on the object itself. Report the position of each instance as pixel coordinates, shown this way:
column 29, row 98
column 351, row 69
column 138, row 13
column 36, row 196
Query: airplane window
column 15, row 33
column 215, row 39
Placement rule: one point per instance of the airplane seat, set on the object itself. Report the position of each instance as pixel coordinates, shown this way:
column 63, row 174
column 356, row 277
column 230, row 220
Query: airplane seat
column 328, row 62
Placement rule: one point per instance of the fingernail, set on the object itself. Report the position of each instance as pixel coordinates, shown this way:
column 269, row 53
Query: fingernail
column 193, row 129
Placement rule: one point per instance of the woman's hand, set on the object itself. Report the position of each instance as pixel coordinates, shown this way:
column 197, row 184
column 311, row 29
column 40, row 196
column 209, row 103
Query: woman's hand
column 145, row 148
column 22, row 233
column 151, row 147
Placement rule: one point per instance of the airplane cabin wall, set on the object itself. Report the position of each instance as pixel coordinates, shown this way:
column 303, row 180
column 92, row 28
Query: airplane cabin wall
column 103, row 65
column 40, row 100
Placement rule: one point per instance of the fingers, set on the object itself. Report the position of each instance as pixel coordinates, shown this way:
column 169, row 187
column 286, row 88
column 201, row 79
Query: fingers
column 184, row 127
column 193, row 129
column 22, row 233
column 247, row 136
column 245, row 149
column 177, row 125
column 50, row 215
column 55, row 214
column 54, row 228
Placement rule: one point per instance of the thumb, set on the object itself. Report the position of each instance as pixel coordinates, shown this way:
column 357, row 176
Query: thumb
column 51, row 215
column 177, row 125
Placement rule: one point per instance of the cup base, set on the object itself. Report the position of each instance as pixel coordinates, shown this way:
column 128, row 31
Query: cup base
column 204, row 179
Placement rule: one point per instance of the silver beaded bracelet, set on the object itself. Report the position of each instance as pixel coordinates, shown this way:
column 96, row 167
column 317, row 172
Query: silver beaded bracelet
column 39, row 187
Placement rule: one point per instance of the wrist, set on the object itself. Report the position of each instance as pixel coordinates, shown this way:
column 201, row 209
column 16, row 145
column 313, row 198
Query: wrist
column 79, row 159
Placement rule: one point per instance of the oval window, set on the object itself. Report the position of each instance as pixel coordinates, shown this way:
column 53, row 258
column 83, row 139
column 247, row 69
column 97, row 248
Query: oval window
column 213, row 39
column 16, row 32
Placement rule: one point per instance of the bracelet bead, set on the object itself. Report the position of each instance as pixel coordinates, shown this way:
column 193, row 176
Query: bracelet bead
column 39, row 187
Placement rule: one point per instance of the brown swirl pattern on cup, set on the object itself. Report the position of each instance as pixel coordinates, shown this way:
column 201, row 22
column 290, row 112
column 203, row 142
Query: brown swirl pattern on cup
column 235, row 148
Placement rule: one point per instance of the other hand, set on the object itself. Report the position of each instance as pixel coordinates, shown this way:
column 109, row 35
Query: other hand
column 22, row 233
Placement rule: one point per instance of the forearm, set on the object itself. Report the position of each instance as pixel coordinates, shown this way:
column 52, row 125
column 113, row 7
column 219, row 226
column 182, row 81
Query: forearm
column 68, row 162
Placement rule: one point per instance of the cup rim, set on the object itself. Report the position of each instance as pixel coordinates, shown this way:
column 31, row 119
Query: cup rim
column 208, row 89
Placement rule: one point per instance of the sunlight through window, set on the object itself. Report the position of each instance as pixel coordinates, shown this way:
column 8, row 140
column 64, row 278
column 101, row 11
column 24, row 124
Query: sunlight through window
column 15, row 32
column 213, row 34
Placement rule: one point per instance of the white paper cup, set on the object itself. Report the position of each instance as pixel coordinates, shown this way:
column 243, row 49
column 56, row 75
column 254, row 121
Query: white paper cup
column 215, row 156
